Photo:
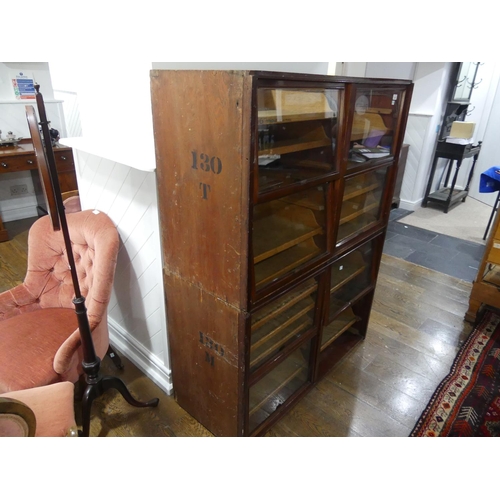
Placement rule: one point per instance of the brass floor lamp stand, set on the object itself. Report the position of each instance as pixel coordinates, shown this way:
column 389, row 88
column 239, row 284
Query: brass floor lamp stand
column 95, row 383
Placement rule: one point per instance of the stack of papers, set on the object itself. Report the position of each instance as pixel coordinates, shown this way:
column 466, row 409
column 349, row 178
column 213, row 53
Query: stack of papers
column 458, row 140
column 372, row 152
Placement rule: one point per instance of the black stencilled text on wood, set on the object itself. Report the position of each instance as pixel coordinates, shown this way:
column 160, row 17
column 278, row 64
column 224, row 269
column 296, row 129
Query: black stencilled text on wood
column 212, row 346
column 206, row 163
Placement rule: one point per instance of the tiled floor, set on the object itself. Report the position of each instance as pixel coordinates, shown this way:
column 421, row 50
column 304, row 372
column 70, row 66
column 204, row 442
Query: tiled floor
column 451, row 256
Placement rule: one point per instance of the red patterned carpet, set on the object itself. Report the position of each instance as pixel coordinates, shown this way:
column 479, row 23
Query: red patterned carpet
column 467, row 402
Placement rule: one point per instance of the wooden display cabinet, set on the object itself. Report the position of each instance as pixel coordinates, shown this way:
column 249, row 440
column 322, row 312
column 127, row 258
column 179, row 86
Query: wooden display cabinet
column 486, row 286
column 274, row 196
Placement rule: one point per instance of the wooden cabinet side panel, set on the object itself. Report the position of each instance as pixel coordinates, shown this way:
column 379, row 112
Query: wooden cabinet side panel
column 202, row 140
column 207, row 363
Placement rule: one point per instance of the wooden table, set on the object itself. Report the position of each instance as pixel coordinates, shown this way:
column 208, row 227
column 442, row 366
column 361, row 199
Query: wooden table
column 446, row 196
column 22, row 157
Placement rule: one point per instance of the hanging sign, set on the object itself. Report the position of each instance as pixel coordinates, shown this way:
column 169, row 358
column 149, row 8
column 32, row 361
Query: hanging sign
column 23, row 85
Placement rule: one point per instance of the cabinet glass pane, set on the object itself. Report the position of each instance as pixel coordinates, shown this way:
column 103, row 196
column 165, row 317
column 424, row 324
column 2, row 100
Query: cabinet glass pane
column 374, row 123
column 297, row 135
column 341, row 324
column 350, row 276
column 278, row 385
column 492, row 274
column 281, row 322
column 288, row 233
column 361, row 202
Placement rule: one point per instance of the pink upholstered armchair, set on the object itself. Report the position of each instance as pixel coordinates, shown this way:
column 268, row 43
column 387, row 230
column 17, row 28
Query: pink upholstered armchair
column 39, row 337
column 40, row 412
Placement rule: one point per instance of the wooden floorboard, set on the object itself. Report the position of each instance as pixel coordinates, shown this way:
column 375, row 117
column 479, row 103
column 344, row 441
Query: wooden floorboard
column 378, row 389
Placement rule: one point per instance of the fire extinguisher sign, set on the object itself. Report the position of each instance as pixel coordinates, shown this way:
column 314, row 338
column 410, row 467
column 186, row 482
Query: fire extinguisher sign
column 24, row 86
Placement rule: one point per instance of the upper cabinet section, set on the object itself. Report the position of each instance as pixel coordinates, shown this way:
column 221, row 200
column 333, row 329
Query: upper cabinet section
column 297, row 135
column 376, row 113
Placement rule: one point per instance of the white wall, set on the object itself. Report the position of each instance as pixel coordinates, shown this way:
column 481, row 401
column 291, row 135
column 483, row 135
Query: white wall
column 398, row 70
column 136, row 312
column 490, row 150
column 39, row 71
column 431, row 82
column 484, row 111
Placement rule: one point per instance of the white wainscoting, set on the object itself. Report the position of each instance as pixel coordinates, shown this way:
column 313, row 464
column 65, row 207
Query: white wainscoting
column 137, row 308
column 416, row 135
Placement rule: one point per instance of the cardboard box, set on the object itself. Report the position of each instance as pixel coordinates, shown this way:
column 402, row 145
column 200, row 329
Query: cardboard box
column 462, row 130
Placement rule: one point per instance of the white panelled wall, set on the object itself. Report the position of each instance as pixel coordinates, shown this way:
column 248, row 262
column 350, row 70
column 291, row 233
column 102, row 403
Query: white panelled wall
column 136, row 312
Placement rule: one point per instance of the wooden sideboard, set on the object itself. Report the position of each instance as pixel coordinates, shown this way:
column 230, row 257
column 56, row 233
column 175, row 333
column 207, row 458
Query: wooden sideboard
column 486, row 286
column 22, row 157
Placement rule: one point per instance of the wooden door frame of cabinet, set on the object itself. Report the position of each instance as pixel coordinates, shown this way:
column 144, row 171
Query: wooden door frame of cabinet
column 378, row 240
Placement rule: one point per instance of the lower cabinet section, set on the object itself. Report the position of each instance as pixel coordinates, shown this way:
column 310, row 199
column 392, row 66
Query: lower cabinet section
column 275, row 388
column 298, row 337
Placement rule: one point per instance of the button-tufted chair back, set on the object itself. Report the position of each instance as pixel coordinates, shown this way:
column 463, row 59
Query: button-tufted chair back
column 39, row 338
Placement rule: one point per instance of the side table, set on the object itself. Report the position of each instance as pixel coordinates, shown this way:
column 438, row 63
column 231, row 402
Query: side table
column 448, row 196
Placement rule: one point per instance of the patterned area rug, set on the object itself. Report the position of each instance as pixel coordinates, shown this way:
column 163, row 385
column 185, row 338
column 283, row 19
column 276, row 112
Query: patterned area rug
column 467, row 402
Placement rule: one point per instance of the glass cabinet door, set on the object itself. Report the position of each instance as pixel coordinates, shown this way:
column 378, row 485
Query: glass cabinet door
column 351, row 276
column 297, row 135
column 361, row 202
column 282, row 322
column 281, row 383
column 288, row 233
column 374, row 123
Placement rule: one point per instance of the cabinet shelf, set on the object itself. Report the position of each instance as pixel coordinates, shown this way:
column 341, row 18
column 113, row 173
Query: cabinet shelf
column 271, row 328
column 289, row 173
column 353, row 266
column 351, row 227
column 492, row 276
column 337, row 327
column 293, row 146
column 353, row 191
column 276, row 394
column 351, row 211
column 280, row 384
column 315, row 202
column 271, row 117
column 277, row 307
column 278, row 265
column 282, row 229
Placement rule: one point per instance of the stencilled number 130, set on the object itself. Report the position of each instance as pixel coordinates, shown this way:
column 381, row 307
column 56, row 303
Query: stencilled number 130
column 206, row 163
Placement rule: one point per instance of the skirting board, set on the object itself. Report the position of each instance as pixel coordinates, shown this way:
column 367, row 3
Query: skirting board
column 415, row 205
column 147, row 362
column 410, row 205
column 10, row 215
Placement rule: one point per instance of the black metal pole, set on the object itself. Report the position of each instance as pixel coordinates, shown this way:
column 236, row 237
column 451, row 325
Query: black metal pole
column 89, row 355
column 96, row 384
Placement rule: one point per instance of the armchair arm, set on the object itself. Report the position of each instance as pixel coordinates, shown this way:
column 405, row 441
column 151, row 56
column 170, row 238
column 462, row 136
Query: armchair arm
column 68, row 356
column 16, row 419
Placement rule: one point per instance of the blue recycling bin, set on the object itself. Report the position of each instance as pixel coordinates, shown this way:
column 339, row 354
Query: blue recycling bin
column 489, row 182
